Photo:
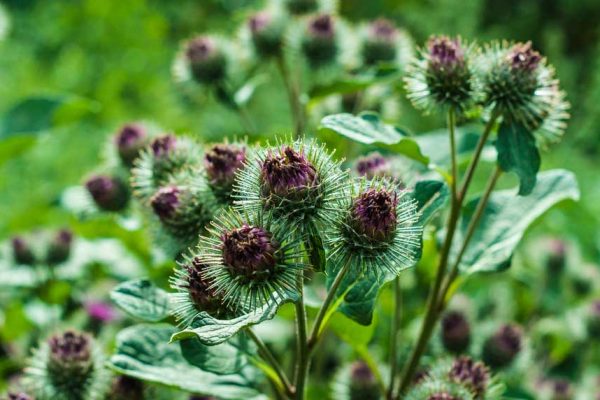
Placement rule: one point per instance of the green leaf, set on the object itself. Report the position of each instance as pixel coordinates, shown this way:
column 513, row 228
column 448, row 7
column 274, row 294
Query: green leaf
column 436, row 145
column 430, row 197
column 14, row 146
column 350, row 332
column 141, row 299
column 243, row 95
column 518, row 152
column 143, row 351
column 507, row 216
column 211, row 331
column 367, row 128
column 223, row 359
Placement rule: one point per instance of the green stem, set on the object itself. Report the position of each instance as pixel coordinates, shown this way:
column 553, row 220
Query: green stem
column 293, row 91
column 432, row 302
column 394, row 337
column 301, row 341
column 266, row 355
column 491, row 184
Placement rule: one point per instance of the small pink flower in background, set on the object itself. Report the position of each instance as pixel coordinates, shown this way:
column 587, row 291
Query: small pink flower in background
column 101, row 311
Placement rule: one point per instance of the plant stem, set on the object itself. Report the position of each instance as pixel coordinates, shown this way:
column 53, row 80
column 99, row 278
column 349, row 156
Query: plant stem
column 432, row 302
column 293, row 91
column 266, row 354
column 491, row 184
column 301, row 341
column 394, row 337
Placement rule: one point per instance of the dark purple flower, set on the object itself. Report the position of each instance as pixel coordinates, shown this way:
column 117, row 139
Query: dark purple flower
column 267, row 34
column 473, row 375
column 100, row 311
column 19, row 396
column 59, row 248
column 70, row 359
column 561, row 389
column 22, row 252
column 445, row 53
column 127, row 388
column 319, row 44
column 250, row 252
column 322, row 26
column 380, row 44
column 109, row 193
column 163, row 145
column 206, row 60
column 222, row 162
column 373, row 214
column 165, row 202
column 522, row 57
column 130, row 140
column 456, row 333
column 501, row 348
column 383, row 30
column 198, row 287
column 373, row 165
column 287, row 173
column 200, row 49
column 363, row 384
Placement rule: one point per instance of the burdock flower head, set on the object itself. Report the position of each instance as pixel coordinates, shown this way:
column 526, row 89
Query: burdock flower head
column 471, row 374
column 373, row 165
column 438, row 389
column 19, row 396
column 67, row 366
column 299, row 183
column 221, row 163
column 320, row 42
column 59, row 247
column 378, row 229
column 266, row 31
column 456, row 332
column 163, row 161
column 519, row 85
column 108, row 192
column 442, row 76
column 250, row 260
column 205, row 59
column 22, row 251
column 380, row 44
column 301, row 6
column 502, row 347
column 194, row 293
column 363, row 384
column 130, row 140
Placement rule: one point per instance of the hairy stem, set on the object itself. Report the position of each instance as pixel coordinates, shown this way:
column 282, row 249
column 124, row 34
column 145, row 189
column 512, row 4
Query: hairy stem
column 293, row 91
column 394, row 337
column 301, row 341
column 432, row 302
column 473, row 223
column 267, row 356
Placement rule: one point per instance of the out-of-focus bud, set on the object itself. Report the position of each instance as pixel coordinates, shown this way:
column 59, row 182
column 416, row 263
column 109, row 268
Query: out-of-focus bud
column 593, row 320
column 267, row 34
column 320, row 42
column 456, row 332
column 363, row 385
column 380, row 44
column 109, row 193
column 59, row 248
column 22, row 251
column 206, row 60
column 130, row 140
column 556, row 257
column 502, row 347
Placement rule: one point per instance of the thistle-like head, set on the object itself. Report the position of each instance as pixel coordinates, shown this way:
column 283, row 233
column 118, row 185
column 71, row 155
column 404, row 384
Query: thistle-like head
column 373, row 165
column 319, row 44
column 456, row 332
column 59, row 247
column 266, row 31
column 70, row 358
column 373, row 214
column 109, row 193
column 222, row 162
column 363, row 384
column 199, row 288
column 522, row 58
column 473, row 375
column 206, row 60
column 287, row 173
column 380, row 43
column 250, row 252
column 445, row 53
column 165, row 202
column 163, row 146
column 130, row 140
column 503, row 346
column 22, row 251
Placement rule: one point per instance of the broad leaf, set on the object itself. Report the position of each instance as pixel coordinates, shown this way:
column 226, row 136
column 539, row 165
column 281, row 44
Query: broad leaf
column 141, row 299
column 367, row 128
column 517, row 152
column 436, row 145
column 143, row 351
column 507, row 216
column 350, row 332
column 352, row 84
column 211, row 331
column 430, row 197
column 225, row 358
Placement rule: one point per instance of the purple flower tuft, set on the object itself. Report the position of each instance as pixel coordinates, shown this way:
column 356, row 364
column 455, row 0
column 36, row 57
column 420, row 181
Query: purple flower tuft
column 59, row 248
column 109, row 193
column 249, row 252
column 445, row 53
column 198, row 287
column 222, row 162
column 70, row 358
column 383, row 30
column 501, row 348
column 206, row 60
column 100, row 311
column 165, row 202
column 200, row 49
column 373, row 214
column 522, row 57
column 456, row 333
column 287, row 173
column 19, row 396
column 473, row 375
column 163, row 145
column 322, row 26
column 373, row 165
column 130, row 140
column 22, row 252
column 259, row 21
column 363, row 384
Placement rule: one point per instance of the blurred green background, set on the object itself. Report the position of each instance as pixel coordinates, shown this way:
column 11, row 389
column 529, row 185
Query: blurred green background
column 97, row 64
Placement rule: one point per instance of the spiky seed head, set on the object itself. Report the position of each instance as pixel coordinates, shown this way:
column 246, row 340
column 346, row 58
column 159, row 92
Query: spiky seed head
column 442, row 76
column 456, row 332
column 373, row 165
column 130, row 140
column 319, row 44
column 127, row 388
column 70, row 359
column 288, row 174
column 502, row 347
column 165, row 202
column 250, row 252
column 523, row 59
column 59, row 248
column 163, row 146
column 206, row 60
column 363, row 384
column 301, row 6
column 380, row 43
column 199, row 288
column 438, row 388
column 22, row 251
column 473, row 375
column 222, row 162
column 266, row 31
column 373, row 214
column 108, row 192
column 20, row 396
